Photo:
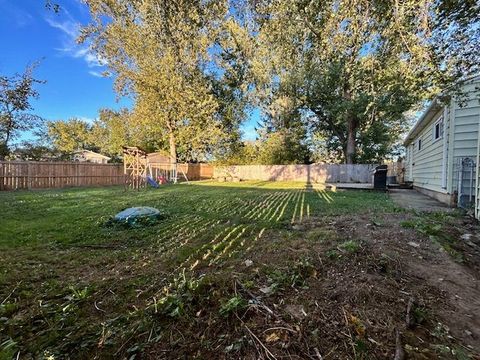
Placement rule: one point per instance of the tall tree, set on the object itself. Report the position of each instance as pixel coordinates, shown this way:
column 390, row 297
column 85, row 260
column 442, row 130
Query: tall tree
column 159, row 52
column 114, row 129
column 16, row 93
column 72, row 135
column 353, row 65
column 455, row 37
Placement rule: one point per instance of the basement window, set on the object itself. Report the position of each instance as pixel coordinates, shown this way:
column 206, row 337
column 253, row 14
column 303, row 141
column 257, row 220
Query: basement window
column 438, row 129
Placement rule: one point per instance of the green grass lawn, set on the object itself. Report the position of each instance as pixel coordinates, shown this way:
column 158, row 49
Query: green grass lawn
column 76, row 216
column 69, row 280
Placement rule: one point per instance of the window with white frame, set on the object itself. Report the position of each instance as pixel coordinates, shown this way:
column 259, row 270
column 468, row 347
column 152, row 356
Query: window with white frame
column 438, row 129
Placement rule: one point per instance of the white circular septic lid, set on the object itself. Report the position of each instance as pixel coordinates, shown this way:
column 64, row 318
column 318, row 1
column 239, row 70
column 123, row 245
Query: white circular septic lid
column 137, row 212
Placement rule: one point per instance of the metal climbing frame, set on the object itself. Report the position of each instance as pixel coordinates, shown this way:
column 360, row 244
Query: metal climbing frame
column 163, row 172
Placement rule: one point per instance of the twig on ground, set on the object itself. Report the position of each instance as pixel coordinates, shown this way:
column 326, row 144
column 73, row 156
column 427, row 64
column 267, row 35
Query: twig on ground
column 96, row 307
column 399, row 353
column 267, row 351
column 11, row 293
column 257, row 300
column 319, row 356
column 349, row 333
column 408, row 318
column 150, row 335
column 279, row 328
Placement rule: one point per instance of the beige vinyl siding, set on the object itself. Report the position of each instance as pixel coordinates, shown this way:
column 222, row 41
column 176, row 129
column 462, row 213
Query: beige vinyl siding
column 427, row 162
column 466, row 128
column 408, row 161
column 467, row 118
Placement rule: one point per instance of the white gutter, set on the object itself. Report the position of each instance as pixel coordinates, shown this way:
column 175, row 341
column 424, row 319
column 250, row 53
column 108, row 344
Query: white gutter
column 422, row 122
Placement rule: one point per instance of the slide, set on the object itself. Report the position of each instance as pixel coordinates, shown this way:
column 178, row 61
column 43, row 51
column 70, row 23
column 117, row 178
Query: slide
column 152, row 182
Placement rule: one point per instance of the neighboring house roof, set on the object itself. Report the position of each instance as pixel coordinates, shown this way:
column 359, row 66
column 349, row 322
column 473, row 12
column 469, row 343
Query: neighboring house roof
column 92, row 153
column 423, row 121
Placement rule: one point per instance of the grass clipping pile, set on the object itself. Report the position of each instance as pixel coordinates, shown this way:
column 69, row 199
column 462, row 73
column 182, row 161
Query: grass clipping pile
column 337, row 288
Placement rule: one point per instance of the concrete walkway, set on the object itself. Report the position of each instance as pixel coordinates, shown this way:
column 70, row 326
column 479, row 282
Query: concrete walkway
column 412, row 199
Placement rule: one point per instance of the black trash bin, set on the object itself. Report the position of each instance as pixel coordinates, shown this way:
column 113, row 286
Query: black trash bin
column 380, row 177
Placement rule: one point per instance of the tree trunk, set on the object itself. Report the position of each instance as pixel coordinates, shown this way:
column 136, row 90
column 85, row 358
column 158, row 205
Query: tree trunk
column 351, row 140
column 173, row 147
column 351, row 145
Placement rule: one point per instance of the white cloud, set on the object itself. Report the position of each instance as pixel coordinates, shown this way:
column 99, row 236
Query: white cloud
column 95, row 73
column 70, row 29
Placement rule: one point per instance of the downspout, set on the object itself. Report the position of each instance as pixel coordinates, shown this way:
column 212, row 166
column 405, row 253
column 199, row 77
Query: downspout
column 477, row 174
column 445, row 149
column 450, row 156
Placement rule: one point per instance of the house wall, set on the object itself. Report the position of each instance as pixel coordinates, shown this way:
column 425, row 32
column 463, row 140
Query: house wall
column 425, row 166
column 436, row 167
column 88, row 157
column 465, row 137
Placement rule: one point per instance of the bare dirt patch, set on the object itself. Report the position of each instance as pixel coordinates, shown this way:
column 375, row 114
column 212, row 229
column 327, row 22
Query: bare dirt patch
column 343, row 287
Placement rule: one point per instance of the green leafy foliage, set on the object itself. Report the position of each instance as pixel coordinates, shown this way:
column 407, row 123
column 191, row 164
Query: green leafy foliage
column 294, row 276
column 158, row 53
column 8, row 349
column 177, row 297
column 233, row 305
column 350, row 246
column 16, row 93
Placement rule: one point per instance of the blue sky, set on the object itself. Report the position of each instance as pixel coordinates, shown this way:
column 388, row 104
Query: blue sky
column 74, row 87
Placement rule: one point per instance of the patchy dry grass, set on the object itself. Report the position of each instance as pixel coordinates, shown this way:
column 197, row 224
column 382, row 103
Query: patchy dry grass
column 244, row 270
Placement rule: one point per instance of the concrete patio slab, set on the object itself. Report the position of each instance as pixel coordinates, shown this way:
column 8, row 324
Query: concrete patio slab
column 412, row 199
column 358, row 186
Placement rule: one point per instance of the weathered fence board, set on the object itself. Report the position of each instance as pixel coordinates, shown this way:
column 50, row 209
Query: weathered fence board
column 315, row 173
column 41, row 175
column 195, row 171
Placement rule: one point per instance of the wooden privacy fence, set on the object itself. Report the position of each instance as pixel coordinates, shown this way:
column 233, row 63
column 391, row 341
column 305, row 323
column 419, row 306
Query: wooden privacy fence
column 41, row 175
column 192, row 171
column 195, row 171
column 315, row 173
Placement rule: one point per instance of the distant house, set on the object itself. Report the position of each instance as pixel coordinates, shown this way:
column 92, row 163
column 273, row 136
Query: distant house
column 90, row 156
column 442, row 149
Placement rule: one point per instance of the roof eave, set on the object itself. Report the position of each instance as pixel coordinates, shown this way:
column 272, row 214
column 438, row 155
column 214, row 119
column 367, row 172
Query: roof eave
column 423, row 121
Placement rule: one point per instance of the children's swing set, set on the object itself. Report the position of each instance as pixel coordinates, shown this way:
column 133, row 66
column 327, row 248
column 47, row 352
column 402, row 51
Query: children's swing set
column 139, row 171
